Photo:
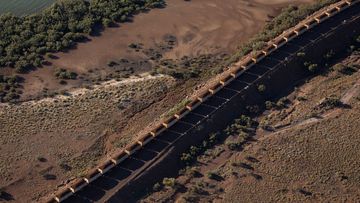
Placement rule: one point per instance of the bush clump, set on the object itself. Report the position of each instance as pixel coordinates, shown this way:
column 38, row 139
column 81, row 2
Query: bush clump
column 169, row 182
column 66, row 75
column 261, row 88
column 330, row 103
column 312, row 67
column 10, row 88
column 241, row 124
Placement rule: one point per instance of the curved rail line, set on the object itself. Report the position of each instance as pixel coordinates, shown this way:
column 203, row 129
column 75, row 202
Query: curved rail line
column 228, row 82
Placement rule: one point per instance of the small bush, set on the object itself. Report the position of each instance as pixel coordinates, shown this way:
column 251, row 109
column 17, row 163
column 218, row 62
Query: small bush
column 269, row 105
column 157, row 187
column 49, row 177
column 313, row 67
column 195, row 189
column 112, row 63
column 193, row 172
column 261, row 88
column 232, row 145
column 211, row 174
column 169, row 182
column 301, row 98
column 41, row 159
column 282, row 103
column 329, row 55
column 300, row 54
column 214, row 175
column 186, row 158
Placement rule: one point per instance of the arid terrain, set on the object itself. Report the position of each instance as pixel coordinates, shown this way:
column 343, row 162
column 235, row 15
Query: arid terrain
column 196, row 27
column 306, row 150
column 49, row 140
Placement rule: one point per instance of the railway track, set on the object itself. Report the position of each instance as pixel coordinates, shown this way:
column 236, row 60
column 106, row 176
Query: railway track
column 104, row 181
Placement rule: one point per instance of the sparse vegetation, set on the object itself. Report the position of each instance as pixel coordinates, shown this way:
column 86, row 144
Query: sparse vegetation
column 190, row 156
column 187, row 67
column 176, row 108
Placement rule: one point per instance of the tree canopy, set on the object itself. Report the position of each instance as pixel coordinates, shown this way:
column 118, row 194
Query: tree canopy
column 24, row 40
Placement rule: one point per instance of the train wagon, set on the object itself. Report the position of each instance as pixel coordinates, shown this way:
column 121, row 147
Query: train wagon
column 258, row 56
column 92, row 175
column 106, row 166
column 226, row 79
column 132, row 148
column 300, row 29
column 158, row 129
column 170, row 121
column 119, row 157
column 145, row 139
column 192, row 105
column 204, row 96
column 268, row 49
column 63, row 194
column 182, row 112
column 78, row 184
column 215, row 88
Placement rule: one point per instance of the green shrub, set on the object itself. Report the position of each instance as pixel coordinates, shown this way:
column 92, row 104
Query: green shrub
column 300, row 54
column 186, row 158
column 169, row 182
column 261, row 88
column 281, row 103
column 157, row 187
column 330, row 103
column 329, row 55
column 269, row 105
column 214, row 175
column 358, row 39
column 66, row 75
column 312, row 67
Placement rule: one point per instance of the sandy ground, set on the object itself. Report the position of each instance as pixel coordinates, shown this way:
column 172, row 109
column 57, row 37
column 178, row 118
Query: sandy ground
column 38, row 140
